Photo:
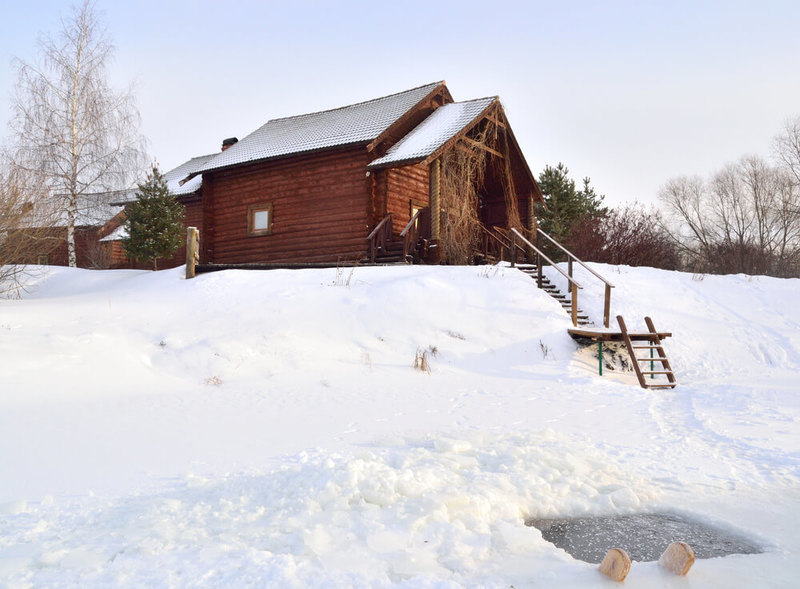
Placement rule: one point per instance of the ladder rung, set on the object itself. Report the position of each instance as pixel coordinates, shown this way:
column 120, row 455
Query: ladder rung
column 646, row 347
column 656, row 372
column 657, row 359
column 662, row 386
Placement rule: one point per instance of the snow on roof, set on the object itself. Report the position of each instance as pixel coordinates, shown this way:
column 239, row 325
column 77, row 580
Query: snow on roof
column 357, row 123
column 93, row 210
column 443, row 124
column 119, row 233
column 175, row 175
column 173, row 178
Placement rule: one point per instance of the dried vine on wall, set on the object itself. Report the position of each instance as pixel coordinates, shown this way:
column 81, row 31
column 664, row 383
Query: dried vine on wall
column 463, row 171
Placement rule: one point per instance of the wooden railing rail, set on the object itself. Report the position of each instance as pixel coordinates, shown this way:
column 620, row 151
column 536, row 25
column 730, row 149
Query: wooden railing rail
column 570, row 258
column 491, row 243
column 379, row 236
column 410, row 235
column 573, row 284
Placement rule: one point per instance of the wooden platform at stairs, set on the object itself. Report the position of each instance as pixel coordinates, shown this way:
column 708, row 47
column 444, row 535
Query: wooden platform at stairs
column 650, row 340
column 551, row 289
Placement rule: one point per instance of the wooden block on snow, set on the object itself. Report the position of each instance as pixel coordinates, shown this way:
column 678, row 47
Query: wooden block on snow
column 616, row 565
column 678, row 558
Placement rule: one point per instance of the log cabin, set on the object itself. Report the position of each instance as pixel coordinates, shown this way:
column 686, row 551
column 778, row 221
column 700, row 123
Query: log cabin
column 372, row 181
column 343, row 185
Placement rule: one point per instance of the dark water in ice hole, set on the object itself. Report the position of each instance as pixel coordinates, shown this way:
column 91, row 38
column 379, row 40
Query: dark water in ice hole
column 643, row 535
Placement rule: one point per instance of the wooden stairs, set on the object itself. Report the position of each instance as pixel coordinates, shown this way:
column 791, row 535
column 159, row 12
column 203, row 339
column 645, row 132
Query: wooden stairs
column 650, row 341
column 390, row 252
column 551, row 289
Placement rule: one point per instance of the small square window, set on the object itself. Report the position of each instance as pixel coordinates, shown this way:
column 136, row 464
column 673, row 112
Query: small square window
column 43, row 259
column 259, row 219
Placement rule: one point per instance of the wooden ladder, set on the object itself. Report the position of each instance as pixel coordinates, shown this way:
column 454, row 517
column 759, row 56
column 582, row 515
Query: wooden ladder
column 653, row 342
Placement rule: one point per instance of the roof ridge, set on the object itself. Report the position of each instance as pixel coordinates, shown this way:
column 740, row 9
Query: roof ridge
column 319, row 112
column 495, row 97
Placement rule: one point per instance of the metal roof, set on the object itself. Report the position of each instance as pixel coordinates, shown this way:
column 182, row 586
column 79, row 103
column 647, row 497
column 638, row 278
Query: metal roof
column 354, row 124
column 175, row 175
column 436, row 130
column 92, row 210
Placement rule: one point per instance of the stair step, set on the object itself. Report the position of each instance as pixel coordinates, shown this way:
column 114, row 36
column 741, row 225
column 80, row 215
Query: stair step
column 389, row 259
column 662, row 386
column 656, row 372
column 646, row 347
column 653, row 359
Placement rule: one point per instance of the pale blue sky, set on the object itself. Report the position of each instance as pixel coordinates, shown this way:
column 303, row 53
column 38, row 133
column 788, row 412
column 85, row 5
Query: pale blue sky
column 629, row 93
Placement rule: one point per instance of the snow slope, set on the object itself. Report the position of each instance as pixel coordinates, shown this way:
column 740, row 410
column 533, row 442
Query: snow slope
column 269, row 428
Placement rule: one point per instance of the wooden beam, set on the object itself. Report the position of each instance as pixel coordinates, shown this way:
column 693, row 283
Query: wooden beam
column 496, row 121
column 478, row 145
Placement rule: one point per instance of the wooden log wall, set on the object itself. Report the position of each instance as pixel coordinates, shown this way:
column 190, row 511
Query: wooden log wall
column 405, row 185
column 320, row 209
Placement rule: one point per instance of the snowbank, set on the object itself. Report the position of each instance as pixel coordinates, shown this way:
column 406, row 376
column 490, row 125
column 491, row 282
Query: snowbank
column 269, row 428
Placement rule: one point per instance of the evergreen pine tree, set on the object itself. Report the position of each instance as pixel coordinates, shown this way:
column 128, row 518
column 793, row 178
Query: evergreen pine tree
column 565, row 206
column 154, row 221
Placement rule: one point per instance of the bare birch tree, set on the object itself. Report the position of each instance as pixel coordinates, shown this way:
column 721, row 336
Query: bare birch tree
column 70, row 125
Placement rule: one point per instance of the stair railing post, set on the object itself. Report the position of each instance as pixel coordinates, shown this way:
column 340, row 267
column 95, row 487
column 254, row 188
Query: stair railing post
column 607, row 306
column 512, row 249
column 574, row 288
column 569, row 267
column 539, row 276
column 538, row 259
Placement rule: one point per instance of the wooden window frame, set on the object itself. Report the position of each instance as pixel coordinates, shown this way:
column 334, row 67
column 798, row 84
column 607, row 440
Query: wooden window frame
column 251, row 216
column 43, row 260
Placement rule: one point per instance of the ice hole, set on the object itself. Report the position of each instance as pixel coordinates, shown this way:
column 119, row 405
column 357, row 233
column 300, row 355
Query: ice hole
column 643, row 535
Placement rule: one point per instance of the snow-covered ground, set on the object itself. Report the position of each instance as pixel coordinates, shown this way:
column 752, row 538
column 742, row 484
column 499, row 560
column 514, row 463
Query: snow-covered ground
column 269, row 429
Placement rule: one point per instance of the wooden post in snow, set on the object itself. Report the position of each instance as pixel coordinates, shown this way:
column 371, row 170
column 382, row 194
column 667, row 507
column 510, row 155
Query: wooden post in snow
column 192, row 250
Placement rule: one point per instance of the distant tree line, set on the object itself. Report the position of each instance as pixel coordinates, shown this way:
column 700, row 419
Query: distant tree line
column 744, row 218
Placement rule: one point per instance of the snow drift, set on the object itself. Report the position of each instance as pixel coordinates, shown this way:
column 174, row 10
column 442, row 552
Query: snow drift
column 269, row 428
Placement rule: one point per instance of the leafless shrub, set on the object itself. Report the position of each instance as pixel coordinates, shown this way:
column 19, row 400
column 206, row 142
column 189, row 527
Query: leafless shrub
column 98, row 255
column 25, row 238
column 422, row 360
column 630, row 235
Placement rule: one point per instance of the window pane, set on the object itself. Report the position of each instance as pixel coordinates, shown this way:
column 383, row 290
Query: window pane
column 260, row 220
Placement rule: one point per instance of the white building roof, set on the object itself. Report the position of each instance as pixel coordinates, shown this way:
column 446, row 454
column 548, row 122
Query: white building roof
column 354, row 124
column 119, row 233
column 175, row 175
column 93, row 210
column 441, row 126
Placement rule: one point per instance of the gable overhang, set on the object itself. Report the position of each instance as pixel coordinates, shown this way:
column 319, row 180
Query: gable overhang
column 435, row 98
column 494, row 113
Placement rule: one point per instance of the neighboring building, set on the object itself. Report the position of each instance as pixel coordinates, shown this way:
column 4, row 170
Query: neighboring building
column 44, row 233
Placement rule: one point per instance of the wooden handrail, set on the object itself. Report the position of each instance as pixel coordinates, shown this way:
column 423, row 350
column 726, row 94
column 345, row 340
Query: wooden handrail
column 569, row 278
column 378, row 236
column 410, row 223
column 573, row 284
column 383, row 221
column 573, row 257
